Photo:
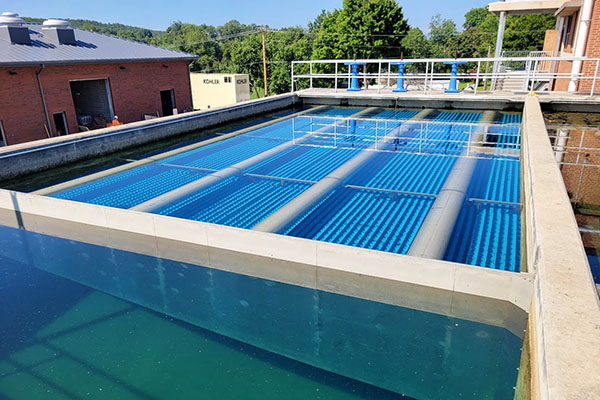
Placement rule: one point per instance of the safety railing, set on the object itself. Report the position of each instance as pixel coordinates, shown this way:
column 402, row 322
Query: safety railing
column 439, row 74
column 466, row 139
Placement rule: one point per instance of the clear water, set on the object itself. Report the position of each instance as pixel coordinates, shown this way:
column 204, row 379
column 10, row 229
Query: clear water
column 380, row 206
column 85, row 321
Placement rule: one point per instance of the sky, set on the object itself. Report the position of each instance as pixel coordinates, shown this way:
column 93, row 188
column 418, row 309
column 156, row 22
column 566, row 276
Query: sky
column 159, row 14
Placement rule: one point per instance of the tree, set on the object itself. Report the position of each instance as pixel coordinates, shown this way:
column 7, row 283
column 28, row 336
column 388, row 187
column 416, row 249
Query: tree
column 442, row 37
column 522, row 32
column 315, row 26
column 474, row 17
column 415, row 44
column 362, row 29
column 195, row 39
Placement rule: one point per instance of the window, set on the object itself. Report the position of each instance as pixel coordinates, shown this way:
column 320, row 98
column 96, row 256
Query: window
column 227, row 79
column 2, row 135
column 568, row 36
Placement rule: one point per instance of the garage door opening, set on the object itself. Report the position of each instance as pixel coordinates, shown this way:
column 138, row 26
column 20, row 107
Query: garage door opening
column 93, row 104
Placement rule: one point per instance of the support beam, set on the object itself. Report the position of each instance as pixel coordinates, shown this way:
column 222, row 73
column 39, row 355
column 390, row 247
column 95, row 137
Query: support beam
column 287, row 214
column 218, row 176
column 433, row 236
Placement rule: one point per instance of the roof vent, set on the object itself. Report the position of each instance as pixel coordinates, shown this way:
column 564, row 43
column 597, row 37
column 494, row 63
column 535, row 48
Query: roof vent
column 12, row 29
column 59, row 31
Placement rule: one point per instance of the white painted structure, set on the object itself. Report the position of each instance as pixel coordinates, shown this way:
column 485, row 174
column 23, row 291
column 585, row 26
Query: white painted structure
column 216, row 90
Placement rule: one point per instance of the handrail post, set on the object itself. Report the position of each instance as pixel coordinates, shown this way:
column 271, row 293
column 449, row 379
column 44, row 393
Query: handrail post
column 336, row 76
column 388, row 73
column 426, row 76
column 311, row 72
column 477, row 78
column 595, row 77
column 292, row 76
column 379, row 79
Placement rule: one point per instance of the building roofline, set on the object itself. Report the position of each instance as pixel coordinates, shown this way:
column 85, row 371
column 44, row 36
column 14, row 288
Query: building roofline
column 525, row 7
column 99, row 61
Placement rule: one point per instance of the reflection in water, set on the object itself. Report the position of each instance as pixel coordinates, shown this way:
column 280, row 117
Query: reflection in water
column 69, row 340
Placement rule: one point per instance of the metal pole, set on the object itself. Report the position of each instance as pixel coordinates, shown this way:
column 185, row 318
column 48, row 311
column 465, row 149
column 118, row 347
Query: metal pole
column 292, row 76
column 379, row 79
column 426, row 74
column 336, row 75
column 595, row 77
column 310, row 73
column 477, row 78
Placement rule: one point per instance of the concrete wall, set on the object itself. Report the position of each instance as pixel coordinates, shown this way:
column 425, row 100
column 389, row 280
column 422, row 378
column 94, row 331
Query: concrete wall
column 586, row 179
column 493, row 297
column 134, row 90
column 564, row 345
column 40, row 155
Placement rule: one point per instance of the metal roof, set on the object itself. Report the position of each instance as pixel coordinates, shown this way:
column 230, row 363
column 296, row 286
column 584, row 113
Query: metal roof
column 90, row 48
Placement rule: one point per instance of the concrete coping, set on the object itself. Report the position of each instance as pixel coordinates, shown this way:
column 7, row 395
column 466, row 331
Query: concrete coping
column 493, row 297
column 565, row 309
column 116, row 130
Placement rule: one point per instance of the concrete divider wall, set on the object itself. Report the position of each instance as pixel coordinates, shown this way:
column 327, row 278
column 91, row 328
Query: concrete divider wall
column 44, row 154
column 493, row 297
column 564, row 327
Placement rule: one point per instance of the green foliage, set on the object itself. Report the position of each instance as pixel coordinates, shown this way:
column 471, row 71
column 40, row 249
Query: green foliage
column 442, row 37
column 522, row 32
column 475, row 16
column 416, row 44
column 362, row 29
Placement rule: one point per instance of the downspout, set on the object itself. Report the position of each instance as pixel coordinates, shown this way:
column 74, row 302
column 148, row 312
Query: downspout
column 584, row 26
column 37, row 75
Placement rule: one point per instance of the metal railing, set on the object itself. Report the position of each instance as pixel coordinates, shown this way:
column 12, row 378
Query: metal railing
column 427, row 75
column 467, row 139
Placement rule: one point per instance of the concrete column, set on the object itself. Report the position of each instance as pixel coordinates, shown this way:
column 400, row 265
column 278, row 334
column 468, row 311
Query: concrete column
column 499, row 40
column 582, row 34
column 434, row 234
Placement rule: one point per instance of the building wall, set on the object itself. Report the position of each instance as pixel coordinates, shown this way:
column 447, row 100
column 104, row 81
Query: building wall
column 134, row 90
column 214, row 90
column 583, row 183
column 21, row 110
column 592, row 50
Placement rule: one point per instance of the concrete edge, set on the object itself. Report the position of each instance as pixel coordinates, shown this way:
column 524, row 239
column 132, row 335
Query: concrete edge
column 326, row 266
column 565, row 308
column 47, row 153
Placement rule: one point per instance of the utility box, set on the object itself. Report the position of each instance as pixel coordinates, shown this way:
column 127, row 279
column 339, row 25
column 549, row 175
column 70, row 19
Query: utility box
column 215, row 90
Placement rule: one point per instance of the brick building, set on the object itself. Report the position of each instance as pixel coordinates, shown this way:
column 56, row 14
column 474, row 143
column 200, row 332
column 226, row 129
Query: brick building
column 577, row 34
column 56, row 80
